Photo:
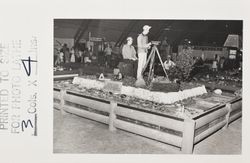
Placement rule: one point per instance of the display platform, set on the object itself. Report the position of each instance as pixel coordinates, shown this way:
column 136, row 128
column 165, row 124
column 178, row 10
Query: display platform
column 182, row 123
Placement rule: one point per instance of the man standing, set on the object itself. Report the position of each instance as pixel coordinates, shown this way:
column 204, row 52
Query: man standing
column 143, row 46
column 129, row 55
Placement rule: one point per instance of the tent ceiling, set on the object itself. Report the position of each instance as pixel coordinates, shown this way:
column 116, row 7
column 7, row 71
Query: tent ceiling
column 200, row 32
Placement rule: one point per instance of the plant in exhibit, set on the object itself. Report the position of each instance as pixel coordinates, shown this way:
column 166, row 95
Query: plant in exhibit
column 184, row 65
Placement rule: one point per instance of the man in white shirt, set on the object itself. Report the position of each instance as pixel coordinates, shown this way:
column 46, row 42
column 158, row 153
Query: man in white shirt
column 129, row 54
column 168, row 63
column 143, row 46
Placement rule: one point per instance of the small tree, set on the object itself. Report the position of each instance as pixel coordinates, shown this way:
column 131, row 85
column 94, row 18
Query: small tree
column 184, row 65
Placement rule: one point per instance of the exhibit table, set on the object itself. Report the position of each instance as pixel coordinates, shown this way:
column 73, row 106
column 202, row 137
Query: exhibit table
column 179, row 125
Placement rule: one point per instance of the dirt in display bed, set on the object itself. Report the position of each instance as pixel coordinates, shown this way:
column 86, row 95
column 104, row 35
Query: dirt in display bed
column 193, row 106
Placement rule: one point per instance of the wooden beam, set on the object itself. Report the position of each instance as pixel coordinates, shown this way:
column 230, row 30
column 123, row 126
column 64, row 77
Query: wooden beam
column 79, row 28
column 125, row 32
column 91, row 103
column 62, row 101
column 149, row 132
column 112, row 116
column 150, row 118
column 209, row 131
column 82, row 29
column 87, row 114
column 187, row 144
column 211, row 117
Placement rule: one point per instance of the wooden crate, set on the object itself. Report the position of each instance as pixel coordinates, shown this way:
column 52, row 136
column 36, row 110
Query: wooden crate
column 180, row 132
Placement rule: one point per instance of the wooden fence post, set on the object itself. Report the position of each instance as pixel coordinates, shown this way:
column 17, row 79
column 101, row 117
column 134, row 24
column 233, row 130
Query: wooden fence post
column 62, row 101
column 228, row 107
column 112, row 116
column 188, row 136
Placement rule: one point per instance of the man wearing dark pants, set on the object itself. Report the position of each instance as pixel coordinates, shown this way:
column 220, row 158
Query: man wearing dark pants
column 129, row 55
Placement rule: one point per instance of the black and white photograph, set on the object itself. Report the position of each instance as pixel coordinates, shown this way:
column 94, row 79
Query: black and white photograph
column 124, row 81
column 147, row 86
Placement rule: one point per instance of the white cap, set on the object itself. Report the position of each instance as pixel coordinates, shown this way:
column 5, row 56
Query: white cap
column 146, row 27
column 129, row 38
